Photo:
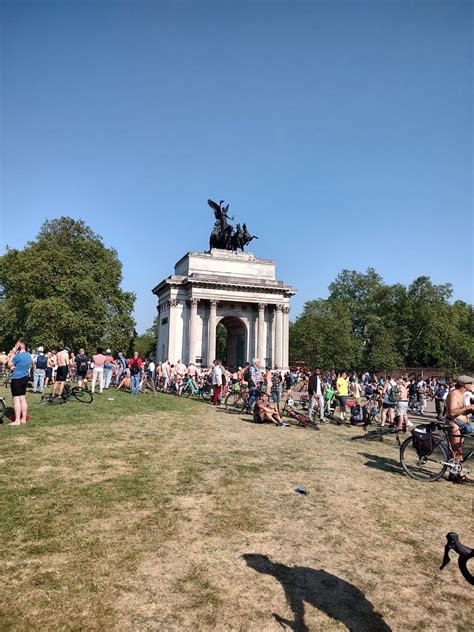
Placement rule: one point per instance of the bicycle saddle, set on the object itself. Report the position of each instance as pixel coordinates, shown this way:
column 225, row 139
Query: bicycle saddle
column 464, row 552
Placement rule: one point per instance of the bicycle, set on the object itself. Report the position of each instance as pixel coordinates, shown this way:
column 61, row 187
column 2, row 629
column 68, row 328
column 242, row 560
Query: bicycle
column 430, row 463
column 82, row 395
column 3, row 408
column 465, row 554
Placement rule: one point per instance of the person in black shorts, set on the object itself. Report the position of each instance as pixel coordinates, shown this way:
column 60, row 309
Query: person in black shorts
column 61, row 371
column 82, row 366
column 20, row 364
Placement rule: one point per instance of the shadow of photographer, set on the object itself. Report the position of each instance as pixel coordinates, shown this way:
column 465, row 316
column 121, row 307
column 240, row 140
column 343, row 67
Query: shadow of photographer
column 326, row 592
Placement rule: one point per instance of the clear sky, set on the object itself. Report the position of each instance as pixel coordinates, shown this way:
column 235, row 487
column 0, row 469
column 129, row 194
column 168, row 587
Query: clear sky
column 341, row 132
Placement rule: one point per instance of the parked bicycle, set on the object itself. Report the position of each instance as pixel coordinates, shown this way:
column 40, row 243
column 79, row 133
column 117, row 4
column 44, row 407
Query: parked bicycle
column 427, row 455
column 82, row 395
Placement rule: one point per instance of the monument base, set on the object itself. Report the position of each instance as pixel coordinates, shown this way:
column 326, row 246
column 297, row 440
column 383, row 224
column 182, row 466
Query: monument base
column 234, row 289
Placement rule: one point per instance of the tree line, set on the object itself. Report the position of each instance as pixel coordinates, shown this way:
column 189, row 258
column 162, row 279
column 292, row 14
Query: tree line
column 367, row 324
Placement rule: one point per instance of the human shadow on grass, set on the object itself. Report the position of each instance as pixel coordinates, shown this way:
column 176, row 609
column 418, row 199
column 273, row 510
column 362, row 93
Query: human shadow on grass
column 337, row 598
column 382, row 463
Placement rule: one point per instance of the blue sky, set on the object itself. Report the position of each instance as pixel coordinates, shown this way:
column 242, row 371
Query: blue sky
column 340, row 132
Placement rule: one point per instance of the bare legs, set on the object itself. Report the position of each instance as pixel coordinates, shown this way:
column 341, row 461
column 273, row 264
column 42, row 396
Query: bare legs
column 21, row 410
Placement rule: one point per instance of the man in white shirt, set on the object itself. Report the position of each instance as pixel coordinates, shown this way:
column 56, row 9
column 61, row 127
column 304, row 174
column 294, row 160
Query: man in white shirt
column 216, row 381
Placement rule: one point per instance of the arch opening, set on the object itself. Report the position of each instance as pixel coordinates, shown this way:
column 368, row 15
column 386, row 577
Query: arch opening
column 231, row 342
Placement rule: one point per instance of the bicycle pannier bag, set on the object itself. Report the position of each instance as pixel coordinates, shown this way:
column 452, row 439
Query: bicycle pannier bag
column 423, row 439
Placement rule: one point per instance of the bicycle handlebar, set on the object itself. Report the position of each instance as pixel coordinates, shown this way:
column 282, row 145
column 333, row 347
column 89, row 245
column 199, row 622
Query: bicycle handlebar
column 464, row 552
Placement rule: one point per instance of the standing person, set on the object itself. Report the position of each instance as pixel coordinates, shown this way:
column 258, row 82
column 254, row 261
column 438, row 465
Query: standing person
column 39, row 374
column 135, row 366
column 61, row 373
column 316, row 394
column 439, row 397
column 401, row 407
column 421, row 392
column 50, row 367
column 216, row 381
column 166, row 373
column 98, row 371
column 121, row 366
column 275, row 385
column 356, row 389
column 82, row 366
column 20, row 363
column 457, row 417
column 342, row 387
column 108, row 368
column 391, row 396
column 180, row 372
column 255, row 381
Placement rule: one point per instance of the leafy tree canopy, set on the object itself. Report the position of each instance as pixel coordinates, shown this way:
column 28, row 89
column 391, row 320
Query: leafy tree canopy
column 367, row 324
column 64, row 288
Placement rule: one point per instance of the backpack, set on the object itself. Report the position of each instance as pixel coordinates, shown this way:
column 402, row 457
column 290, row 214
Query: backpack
column 368, row 390
column 358, row 414
column 246, row 374
column 423, row 439
column 82, row 364
column 134, row 368
column 41, row 362
column 393, row 395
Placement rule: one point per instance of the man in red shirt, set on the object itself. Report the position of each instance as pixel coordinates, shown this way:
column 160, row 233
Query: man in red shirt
column 135, row 366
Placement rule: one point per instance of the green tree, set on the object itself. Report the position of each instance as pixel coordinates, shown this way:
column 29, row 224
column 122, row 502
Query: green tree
column 322, row 336
column 64, row 288
column 146, row 343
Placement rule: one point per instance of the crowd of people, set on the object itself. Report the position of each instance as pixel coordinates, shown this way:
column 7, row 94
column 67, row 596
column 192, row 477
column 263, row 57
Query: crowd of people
column 338, row 395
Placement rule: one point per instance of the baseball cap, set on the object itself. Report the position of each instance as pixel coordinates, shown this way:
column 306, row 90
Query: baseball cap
column 464, row 379
column 40, row 349
column 67, row 348
column 108, row 351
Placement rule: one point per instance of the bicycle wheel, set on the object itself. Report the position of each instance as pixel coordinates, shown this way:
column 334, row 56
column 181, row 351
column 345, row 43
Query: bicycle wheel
column 2, row 410
column 206, row 393
column 425, row 468
column 234, row 403
column 83, row 396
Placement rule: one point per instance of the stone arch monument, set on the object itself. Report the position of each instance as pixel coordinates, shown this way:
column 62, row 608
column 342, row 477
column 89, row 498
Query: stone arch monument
column 228, row 287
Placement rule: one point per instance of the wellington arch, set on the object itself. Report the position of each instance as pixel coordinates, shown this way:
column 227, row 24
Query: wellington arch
column 221, row 286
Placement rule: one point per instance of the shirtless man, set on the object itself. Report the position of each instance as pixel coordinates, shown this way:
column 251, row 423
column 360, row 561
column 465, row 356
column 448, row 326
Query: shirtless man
column 268, row 411
column 62, row 360
column 457, row 417
column 180, row 373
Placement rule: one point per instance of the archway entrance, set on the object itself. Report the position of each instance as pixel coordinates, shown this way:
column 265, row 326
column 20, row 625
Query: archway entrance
column 233, row 352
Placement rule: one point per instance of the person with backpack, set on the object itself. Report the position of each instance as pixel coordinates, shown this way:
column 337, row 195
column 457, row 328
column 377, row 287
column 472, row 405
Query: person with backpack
column 391, row 396
column 40, row 362
column 135, row 366
column 82, row 366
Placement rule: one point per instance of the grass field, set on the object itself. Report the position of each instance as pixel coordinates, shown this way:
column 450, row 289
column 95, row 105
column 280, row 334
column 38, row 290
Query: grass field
column 164, row 514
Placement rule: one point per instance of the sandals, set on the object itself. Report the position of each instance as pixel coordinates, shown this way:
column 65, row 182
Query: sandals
column 460, row 478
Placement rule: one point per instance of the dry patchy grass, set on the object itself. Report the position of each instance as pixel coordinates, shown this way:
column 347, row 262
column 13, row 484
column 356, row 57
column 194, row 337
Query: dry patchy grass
column 159, row 514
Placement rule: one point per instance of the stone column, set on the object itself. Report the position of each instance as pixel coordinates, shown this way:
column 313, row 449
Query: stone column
column 211, row 337
column 261, row 346
column 171, row 346
column 193, row 333
column 279, row 336
column 286, row 336
column 158, row 350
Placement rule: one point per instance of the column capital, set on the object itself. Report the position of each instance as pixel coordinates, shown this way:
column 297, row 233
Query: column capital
column 278, row 307
column 213, row 302
column 261, row 307
column 193, row 301
column 173, row 302
column 286, row 309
